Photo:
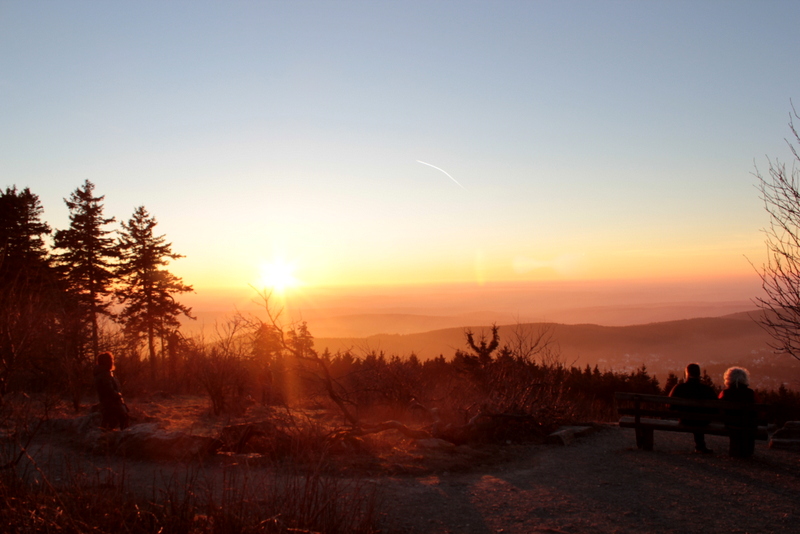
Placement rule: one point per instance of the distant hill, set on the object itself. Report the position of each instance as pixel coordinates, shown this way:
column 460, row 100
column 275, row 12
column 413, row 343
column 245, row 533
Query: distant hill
column 330, row 325
column 714, row 342
column 359, row 312
column 368, row 324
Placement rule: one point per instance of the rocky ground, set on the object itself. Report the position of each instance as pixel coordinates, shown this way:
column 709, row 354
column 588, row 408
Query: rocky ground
column 598, row 483
column 602, row 483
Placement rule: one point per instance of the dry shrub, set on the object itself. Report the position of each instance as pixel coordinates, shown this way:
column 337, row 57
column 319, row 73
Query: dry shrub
column 222, row 376
column 281, row 435
column 246, row 501
column 241, row 502
column 73, row 498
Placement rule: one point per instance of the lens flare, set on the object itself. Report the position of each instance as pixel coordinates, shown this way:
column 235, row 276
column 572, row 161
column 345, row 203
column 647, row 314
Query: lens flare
column 278, row 276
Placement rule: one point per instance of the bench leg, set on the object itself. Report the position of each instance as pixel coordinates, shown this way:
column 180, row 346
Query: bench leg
column 644, row 438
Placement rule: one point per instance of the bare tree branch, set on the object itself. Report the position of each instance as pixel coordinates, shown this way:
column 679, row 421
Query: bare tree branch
column 294, row 343
column 780, row 275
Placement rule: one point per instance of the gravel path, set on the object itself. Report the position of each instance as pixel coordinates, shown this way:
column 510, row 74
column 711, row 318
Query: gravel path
column 602, row 483
column 599, row 483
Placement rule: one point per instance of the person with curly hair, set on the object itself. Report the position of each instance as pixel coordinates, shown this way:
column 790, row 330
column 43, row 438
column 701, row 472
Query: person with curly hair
column 737, row 389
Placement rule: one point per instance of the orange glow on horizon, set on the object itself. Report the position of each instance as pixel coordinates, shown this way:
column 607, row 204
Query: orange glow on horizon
column 280, row 282
column 476, row 267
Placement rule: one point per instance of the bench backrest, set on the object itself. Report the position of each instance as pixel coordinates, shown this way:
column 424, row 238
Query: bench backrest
column 678, row 408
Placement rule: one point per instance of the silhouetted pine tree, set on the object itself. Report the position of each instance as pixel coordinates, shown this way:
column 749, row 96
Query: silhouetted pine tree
column 87, row 262
column 672, row 381
column 147, row 289
column 30, row 295
column 22, row 248
column 705, row 379
column 300, row 341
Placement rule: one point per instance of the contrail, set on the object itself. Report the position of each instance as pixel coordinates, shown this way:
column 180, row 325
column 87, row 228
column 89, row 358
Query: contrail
column 444, row 171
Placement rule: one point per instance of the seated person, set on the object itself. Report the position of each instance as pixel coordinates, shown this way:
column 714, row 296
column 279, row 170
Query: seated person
column 737, row 389
column 112, row 405
column 693, row 388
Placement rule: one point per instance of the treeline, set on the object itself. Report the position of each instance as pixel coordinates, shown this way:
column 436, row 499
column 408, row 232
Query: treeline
column 521, row 374
column 68, row 294
column 248, row 360
column 61, row 291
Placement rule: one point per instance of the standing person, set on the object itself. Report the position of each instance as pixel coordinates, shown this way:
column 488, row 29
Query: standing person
column 693, row 388
column 112, row 405
column 737, row 389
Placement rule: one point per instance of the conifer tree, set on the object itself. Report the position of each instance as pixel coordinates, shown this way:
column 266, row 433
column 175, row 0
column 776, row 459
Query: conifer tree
column 29, row 291
column 22, row 247
column 88, row 261
column 147, row 289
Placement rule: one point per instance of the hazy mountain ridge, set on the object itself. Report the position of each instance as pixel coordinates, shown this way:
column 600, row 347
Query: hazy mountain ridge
column 714, row 342
column 363, row 322
column 368, row 324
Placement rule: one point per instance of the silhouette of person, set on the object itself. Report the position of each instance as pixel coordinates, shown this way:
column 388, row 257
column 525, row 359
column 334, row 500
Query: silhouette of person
column 737, row 382
column 693, row 388
column 112, row 405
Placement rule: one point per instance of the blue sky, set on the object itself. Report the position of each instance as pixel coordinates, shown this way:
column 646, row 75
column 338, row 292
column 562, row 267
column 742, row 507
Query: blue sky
column 593, row 140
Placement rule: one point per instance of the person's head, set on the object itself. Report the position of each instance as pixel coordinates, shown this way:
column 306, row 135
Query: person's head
column 106, row 359
column 737, row 376
column 692, row 371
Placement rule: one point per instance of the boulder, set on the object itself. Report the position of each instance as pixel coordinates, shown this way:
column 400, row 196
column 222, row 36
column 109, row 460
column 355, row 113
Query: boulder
column 567, row 434
column 263, row 437
column 790, row 430
column 436, row 444
column 147, row 441
column 144, row 441
column 74, row 425
column 786, row 438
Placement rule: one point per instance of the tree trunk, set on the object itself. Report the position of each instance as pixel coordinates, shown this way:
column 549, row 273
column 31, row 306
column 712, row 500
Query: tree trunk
column 151, row 345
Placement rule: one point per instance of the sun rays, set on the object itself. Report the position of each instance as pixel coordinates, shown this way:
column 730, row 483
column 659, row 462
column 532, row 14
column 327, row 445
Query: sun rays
column 278, row 276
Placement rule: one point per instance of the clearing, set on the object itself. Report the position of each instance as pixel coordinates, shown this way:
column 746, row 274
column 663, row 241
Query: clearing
column 599, row 483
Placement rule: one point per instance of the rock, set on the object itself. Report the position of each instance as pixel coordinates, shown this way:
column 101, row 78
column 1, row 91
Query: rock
column 567, row 434
column 148, row 441
column 262, row 437
column 143, row 441
column 785, row 444
column 468, row 451
column 235, row 437
column 89, row 422
column 791, row 430
column 786, row 438
column 435, row 444
column 249, row 460
column 75, row 425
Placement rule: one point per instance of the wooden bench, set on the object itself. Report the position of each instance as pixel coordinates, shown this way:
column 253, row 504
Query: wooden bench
column 647, row 413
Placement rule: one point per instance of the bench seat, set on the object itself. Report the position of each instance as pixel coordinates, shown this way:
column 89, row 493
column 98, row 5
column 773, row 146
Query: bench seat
column 648, row 413
column 672, row 425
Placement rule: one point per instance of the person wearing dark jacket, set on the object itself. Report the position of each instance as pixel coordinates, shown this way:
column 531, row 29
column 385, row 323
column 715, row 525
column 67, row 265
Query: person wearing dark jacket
column 112, row 405
column 693, row 388
column 737, row 389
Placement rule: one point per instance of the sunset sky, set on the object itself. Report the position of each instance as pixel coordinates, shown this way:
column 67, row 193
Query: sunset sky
column 558, row 140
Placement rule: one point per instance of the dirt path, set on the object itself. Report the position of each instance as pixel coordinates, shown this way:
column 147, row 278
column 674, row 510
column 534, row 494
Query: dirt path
column 602, row 483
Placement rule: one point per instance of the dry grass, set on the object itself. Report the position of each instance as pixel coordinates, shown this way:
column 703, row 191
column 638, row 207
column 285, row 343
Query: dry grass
column 40, row 496
column 240, row 503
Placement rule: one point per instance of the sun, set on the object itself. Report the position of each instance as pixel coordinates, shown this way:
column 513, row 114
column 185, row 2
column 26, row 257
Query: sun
column 278, row 275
